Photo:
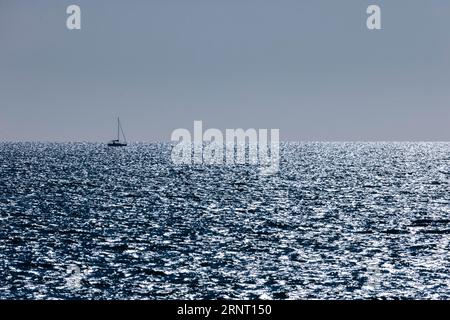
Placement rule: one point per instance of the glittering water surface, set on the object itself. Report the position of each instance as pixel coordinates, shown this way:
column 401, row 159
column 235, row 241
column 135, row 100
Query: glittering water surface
column 340, row 220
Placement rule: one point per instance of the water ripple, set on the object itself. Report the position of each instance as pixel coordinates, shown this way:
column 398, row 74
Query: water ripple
column 340, row 220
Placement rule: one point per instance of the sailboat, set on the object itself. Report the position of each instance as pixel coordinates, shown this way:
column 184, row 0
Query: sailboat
column 117, row 142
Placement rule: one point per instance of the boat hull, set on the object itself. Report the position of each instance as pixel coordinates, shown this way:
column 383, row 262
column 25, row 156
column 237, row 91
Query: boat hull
column 117, row 144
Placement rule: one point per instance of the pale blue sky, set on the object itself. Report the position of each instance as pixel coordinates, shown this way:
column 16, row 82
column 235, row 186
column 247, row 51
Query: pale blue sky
column 310, row 68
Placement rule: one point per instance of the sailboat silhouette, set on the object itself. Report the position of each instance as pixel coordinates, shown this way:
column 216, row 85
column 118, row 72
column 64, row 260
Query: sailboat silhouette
column 117, row 142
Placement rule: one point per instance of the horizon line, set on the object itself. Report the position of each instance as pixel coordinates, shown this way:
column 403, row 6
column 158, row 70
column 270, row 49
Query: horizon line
column 285, row 141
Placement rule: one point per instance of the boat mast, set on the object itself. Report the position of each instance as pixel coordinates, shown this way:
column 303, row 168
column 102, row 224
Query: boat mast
column 118, row 126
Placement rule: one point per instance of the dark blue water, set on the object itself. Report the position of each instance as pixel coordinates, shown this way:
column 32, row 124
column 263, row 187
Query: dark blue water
column 340, row 220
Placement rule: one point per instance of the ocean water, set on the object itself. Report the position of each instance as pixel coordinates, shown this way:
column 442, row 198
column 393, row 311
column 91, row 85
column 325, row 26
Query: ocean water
column 339, row 221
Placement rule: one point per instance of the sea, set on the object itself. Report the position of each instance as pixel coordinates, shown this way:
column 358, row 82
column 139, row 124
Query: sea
column 340, row 220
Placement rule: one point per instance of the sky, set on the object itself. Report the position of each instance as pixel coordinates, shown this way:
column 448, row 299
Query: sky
column 309, row 68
